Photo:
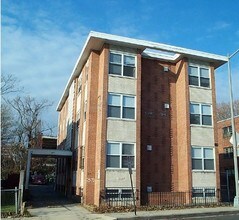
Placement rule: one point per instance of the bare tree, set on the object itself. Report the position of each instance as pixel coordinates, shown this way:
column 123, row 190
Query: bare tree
column 29, row 112
column 224, row 110
column 8, row 84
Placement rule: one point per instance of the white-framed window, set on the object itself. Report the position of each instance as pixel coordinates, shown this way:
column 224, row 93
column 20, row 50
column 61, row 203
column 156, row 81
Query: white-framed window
column 199, row 76
column 119, row 155
column 227, row 131
column 121, row 106
column 200, row 114
column 203, row 192
column 122, row 64
column 202, row 158
column 119, row 193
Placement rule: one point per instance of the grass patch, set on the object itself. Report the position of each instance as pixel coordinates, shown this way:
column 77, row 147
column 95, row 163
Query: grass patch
column 8, row 208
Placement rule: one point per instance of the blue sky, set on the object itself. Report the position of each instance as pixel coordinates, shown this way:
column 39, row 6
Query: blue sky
column 42, row 39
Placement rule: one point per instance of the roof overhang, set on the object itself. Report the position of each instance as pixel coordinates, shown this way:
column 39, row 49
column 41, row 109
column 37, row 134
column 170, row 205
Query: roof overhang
column 49, row 153
column 96, row 40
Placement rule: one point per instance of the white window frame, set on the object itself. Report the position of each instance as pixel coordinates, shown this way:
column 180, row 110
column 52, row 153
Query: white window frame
column 122, row 54
column 202, row 158
column 199, row 67
column 122, row 106
column 200, row 113
column 120, row 155
column 119, row 193
column 204, row 192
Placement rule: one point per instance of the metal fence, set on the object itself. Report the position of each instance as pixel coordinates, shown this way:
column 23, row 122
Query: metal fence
column 10, row 200
column 167, row 199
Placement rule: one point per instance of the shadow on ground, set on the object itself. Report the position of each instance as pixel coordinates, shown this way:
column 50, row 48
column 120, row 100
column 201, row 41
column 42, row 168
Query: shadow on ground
column 45, row 196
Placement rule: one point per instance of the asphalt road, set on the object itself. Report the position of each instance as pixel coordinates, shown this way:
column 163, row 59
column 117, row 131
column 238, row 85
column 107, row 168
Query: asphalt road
column 213, row 217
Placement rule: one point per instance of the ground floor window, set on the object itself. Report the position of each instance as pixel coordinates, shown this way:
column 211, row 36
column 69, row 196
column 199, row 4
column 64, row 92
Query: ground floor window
column 203, row 192
column 120, row 193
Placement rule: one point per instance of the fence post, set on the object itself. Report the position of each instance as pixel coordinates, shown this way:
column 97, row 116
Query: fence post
column 16, row 201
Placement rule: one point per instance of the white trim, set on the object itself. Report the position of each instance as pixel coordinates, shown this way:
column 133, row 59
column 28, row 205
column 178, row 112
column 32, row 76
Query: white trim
column 122, row 106
column 96, row 40
column 200, row 112
column 120, row 155
column 203, row 158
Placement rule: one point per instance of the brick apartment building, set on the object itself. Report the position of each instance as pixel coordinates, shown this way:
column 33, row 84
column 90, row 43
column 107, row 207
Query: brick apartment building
column 144, row 102
column 226, row 162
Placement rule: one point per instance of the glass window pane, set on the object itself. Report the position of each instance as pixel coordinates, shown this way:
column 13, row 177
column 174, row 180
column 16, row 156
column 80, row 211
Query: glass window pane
column 208, row 153
column 194, row 108
column 114, row 111
column 128, row 113
column 195, row 119
column 193, row 71
column 205, row 82
column 129, row 71
column 204, row 72
column 208, row 164
column 113, row 148
column 197, row 192
column 114, row 100
column 206, row 109
column 210, row 193
column 115, row 58
column 113, row 161
column 127, row 149
column 197, row 164
column 196, row 152
column 129, row 60
column 193, row 80
column 115, row 69
column 207, row 120
column 125, row 161
column 126, row 193
column 128, row 101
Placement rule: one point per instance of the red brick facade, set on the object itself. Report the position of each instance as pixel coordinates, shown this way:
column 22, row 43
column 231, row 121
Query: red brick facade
column 162, row 122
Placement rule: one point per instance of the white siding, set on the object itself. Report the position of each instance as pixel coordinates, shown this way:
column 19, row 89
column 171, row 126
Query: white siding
column 122, row 85
column 121, row 130
column 203, row 179
column 119, row 178
column 202, row 136
column 200, row 95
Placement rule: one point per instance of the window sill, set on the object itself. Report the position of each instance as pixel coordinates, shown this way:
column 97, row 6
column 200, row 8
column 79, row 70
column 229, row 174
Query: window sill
column 119, row 169
column 199, row 87
column 202, row 126
column 121, row 119
column 120, row 76
column 203, row 171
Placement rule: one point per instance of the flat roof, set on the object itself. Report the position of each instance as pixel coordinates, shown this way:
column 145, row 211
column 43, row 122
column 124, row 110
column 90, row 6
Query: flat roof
column 96, row 40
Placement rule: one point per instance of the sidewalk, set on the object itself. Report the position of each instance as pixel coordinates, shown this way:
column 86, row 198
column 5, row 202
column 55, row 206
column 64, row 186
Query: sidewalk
column 163, row 214
column 76, row 212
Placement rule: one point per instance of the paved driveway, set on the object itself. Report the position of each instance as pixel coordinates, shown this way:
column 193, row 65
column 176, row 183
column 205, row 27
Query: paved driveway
column 46, row 204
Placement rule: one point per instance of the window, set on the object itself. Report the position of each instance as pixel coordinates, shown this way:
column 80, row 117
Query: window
column 200, row 114
column 119, row 193
column 228, row 152
column 119, row 155
column 202, row 158
column 204, row 192
column 199, row 76
column 122, row 65
column 121, row 106
column 227, row 131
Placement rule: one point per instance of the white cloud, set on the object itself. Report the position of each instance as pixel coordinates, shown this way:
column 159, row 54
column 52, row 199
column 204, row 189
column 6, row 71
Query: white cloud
column 42, row 59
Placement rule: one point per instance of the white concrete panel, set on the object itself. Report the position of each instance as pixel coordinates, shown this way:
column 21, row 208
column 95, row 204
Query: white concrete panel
column 202, row 136
column 122, row 85
column 119, row 178
column 200, row 95
column 121, row 130
column 204, row 179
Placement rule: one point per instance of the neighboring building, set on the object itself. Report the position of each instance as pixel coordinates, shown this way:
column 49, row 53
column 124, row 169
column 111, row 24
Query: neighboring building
column 226, row 162
column 150, row 103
